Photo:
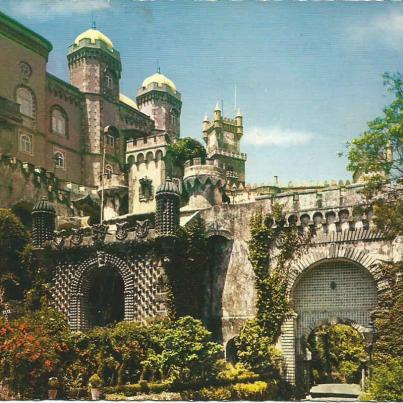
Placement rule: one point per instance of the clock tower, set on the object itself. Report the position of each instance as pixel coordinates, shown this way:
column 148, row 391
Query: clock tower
column 223, row 136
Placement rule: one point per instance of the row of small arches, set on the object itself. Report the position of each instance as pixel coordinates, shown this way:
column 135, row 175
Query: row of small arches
column 139, row 158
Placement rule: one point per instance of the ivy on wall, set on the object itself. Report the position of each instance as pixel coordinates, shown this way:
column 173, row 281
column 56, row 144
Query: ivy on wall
column 272, row 249
column 186, row 271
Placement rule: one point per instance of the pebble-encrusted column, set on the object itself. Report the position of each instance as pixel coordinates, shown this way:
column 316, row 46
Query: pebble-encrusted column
column 168, row 203
column 43, row 222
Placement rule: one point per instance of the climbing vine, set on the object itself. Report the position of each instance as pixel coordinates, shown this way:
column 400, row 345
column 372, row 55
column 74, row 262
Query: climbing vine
column 187, row 269
column 272, row 249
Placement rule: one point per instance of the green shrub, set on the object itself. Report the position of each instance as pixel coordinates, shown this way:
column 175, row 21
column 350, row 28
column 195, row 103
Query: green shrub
column 209, row 393
column 236, row 373
column 127, row 390
column 387, row 381
column 95, row 381
column 256, row 391
column 256, row 352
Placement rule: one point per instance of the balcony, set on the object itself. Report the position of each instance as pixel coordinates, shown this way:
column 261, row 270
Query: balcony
column 9, row 111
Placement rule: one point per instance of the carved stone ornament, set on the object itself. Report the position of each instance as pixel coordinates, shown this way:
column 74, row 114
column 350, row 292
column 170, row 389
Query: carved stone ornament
column 142, row 228
column 121, row 231
column 25, row 70
column 99, row 232
column 59, row 239
column 101, row 257
column 77, row 237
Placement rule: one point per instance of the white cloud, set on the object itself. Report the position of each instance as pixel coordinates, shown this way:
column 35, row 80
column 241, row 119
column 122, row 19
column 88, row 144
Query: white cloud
column 386, row 29
column 276, row 136
column 46, row 9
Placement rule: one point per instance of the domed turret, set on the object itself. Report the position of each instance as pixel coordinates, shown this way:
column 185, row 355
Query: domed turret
column 160, row 80
column 43, row 222
column 94, row 64
column 94, row 35
column 158, row 98
column 168, row 204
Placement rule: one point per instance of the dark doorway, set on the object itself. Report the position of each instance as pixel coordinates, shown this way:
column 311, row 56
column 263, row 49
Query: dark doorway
column 231, row 353
column 105, row 297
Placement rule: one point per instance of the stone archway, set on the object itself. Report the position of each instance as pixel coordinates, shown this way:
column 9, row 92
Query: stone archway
column 80, row 286
column 332, row 284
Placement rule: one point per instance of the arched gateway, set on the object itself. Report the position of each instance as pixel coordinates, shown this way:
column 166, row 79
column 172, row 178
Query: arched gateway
column 82, row 286
column 329, row 285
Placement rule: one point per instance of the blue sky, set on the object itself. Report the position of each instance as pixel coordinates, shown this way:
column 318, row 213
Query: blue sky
column 308, row 74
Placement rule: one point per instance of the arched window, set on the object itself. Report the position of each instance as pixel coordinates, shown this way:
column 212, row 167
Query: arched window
column 58, row 158
column 59, row 121
column 108, row 172
column 26, row 143
column 26, row 101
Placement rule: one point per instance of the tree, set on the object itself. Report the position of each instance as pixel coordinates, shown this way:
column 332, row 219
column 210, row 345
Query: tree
column 13, row 240
column 185, row 149
column 379, row 150
column 338, row 354
column 186, row 352
column 256, row 351
column 378, row 154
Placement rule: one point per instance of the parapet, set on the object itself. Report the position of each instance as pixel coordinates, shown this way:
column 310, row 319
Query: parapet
column 196, row 168
column 204, row 181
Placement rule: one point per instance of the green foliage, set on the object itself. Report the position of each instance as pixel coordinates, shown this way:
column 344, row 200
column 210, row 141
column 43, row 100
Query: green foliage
column 379, row 149
column 220, row 393
column 185, row 149
column 236, row 373
column 14, row 277
column 389, row 319
column 95, row 381
column 151, row 355
column 186, row 352
column 187, row 270
column 338, row 354
column 29, row 352
column 256, row 351
column 271, row 252
column 256, row 391
column 386, row 383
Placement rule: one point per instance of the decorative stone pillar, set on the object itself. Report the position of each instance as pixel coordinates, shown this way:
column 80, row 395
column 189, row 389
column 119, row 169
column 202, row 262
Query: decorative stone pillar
column 288, row 333
column 43, row 222
column 168, row 203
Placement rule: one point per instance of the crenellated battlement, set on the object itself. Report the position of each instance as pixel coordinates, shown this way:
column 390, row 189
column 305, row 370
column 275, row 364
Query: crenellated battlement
column 38, row 182
column 204, row 181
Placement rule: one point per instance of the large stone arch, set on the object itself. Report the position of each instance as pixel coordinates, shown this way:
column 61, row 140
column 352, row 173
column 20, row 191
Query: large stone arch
column 335, row 251
column 319, row 261
column 78, row 315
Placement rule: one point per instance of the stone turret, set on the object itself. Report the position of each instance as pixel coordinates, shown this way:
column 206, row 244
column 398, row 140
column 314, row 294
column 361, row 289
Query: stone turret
column 167, row 214
column 43, row 222
column 204, row 182
column 223, row 138
column 159, row 99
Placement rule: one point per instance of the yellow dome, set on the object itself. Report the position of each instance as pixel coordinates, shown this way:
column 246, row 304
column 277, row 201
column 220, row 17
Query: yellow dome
column 159, row 79
column 128, row 101
column 93, row 35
